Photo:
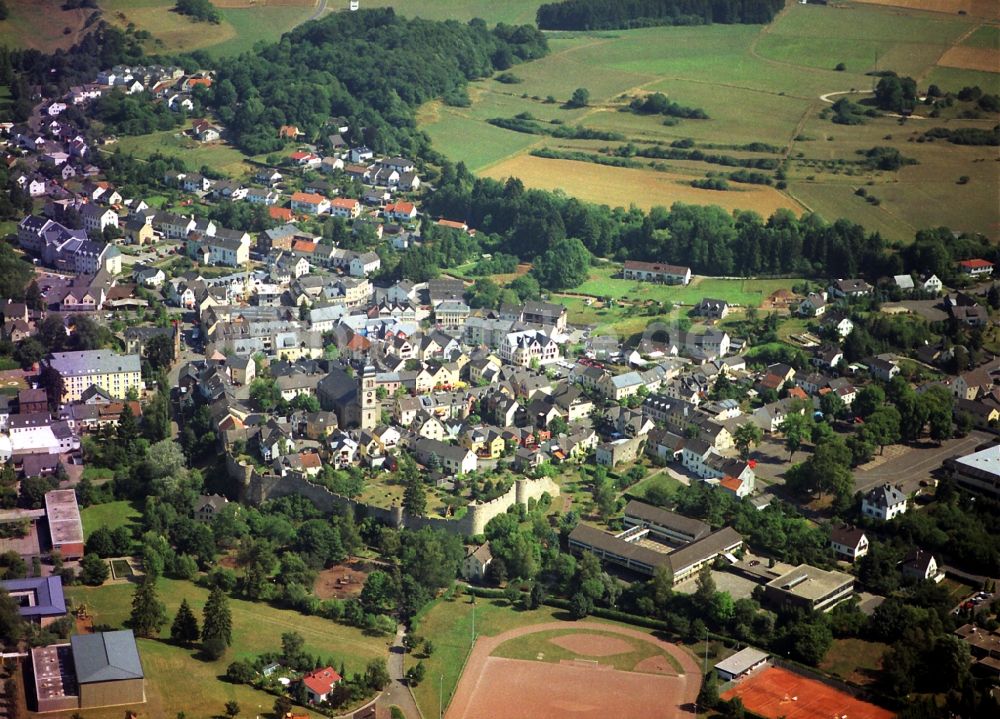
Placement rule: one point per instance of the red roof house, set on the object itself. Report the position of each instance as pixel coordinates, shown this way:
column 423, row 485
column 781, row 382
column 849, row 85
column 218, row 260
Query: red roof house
column 976, row 267
column 320, row 683
column 282, row 214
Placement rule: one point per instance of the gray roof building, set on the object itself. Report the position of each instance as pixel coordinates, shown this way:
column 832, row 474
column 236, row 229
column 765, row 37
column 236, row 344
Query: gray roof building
column 106, row 656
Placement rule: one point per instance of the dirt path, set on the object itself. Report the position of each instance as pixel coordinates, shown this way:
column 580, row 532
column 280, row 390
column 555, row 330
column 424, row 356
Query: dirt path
column 459, row 707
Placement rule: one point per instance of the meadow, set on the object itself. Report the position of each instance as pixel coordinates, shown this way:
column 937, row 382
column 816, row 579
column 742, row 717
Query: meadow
column 217, row 155
column 757, row 84
column 178, row 680
column 243, row 24
column 41, row 25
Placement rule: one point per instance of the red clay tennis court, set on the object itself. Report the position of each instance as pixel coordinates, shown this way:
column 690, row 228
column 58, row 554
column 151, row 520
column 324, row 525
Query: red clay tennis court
column 777, row 692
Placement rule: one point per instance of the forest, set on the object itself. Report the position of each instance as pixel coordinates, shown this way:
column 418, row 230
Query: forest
column 371, row 67
column 602, row 15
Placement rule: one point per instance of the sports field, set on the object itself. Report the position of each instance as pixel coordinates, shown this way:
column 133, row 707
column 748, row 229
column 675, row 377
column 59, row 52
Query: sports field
column 651, row 678
column 777, row 692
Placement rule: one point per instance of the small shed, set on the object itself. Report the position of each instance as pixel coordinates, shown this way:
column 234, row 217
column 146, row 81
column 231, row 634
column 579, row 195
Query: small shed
column 741, row 664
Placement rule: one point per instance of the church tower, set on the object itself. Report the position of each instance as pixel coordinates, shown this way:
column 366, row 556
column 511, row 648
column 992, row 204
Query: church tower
column 370, row 410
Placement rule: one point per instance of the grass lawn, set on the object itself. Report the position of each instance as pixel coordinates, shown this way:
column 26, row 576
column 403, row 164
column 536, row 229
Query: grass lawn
column 110, row 515
column 855, row 660
column 957, row 591
column 217, row 155
column 178, row 681
column 603, row 283
column 662, row 481
column 533, row 646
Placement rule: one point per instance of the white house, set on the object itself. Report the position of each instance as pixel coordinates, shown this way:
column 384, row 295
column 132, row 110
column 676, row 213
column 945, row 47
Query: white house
column 848, row 543
column 883, row 503
column 476, row 561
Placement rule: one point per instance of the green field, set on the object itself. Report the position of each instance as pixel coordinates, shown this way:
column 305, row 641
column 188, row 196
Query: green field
column 603, row 283
column 41, row 25
column 179, row 681
column 757, row 84
column 217, row 155
column 240, row 28
column 986, row 36
column 110, row 515
column 258, row 24
column 512, row 12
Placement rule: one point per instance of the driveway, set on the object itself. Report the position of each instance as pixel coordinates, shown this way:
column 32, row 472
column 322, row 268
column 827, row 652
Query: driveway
column 398, row 693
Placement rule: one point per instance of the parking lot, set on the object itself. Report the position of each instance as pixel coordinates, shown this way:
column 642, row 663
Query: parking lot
column 916, row 464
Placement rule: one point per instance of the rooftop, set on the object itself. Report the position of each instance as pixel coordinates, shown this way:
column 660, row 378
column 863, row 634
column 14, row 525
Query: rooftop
column 91, row 362
column 106, row 656
column 63, row 514
column 810, row 582
column 38, row 596
column 742, row 660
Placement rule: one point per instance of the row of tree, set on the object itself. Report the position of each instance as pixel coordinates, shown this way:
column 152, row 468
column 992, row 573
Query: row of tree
column 600, row 15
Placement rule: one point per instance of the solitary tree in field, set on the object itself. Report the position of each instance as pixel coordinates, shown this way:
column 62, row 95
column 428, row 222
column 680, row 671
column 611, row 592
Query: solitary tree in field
column 580, row 98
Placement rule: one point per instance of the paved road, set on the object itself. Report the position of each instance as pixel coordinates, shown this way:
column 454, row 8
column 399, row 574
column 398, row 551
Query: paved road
column 916, row 463
column 398, row 693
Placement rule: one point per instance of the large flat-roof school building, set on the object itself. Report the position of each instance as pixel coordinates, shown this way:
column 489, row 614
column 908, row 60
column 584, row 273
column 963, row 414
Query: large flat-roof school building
column 625, row 550
column 93, row 670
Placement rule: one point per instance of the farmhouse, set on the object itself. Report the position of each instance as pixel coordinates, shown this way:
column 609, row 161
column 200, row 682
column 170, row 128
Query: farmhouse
column 476, row 562
column 655, row 272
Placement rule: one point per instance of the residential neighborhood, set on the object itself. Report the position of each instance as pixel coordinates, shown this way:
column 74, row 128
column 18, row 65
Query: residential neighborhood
column 262, row 426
